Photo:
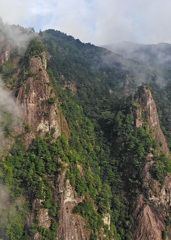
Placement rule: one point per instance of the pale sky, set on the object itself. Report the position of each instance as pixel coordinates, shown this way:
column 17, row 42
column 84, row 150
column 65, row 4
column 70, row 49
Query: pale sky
column 96, row 21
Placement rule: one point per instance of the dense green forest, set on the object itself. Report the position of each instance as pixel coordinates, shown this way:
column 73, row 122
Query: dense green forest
column 103, row 140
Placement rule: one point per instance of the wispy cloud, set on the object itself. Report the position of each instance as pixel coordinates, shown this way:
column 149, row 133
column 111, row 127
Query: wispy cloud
column 9, row 114
column 97, row 21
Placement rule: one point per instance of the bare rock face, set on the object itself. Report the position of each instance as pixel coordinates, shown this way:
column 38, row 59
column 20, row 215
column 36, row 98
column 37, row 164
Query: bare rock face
column 42, row 215
column 151, row 225
column 147, row 112
column 5, row 56
column 71, row 226
column 107, row 220
column 37, row 99
column 150, row 210
column 5, row 50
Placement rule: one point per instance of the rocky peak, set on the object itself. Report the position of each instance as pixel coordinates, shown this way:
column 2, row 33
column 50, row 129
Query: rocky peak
column 150, row 210
column 40, row 111
column 147, row 113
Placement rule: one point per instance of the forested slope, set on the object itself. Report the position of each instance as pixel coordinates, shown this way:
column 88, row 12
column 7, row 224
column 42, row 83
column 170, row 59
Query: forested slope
column 88, row 159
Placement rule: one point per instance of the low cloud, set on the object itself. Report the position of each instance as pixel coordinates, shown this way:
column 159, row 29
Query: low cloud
column 11, row 212
column 9, row 114
column 18, row 35
column 7, row 103
column 96, row 21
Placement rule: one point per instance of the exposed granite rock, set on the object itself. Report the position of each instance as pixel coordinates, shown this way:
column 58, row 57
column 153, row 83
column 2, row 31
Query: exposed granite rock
column 71, row 226
column 149, row 225
column 151, row 208
column 6, row 48
column 150, row 211
column 71, row 86
column 4, row 56
column 41, row 215
column 107, row 220
column 147, row 112
column 39, row 106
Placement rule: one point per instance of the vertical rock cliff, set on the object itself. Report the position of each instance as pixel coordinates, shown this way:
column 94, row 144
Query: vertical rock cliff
column 152, row 206
column 64, row 202
column 147, row 113
column 71, row 226
column 40, row 111
column 5, row 49
column 41, row 115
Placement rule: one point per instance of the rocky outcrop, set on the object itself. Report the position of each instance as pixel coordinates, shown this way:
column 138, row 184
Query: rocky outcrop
column 40, row 109
column 151, row 208
column 41, row 115
column 5, row 56
column 107, row 219
column 5, row 49
column 148, row 224
column 147, row 113
column 71, row 226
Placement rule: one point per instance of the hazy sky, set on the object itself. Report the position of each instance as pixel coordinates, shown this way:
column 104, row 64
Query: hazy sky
column 95, row 21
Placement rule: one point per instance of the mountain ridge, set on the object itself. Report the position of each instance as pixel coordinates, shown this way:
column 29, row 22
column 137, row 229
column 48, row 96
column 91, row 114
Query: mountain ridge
column 84, row 179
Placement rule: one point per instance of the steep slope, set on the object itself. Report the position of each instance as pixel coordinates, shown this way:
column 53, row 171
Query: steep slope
column 93, row 166
column 42, row 116
column 14, row 40
column 49, row 163
column 71, row 226
column 152, row 207
column 5, row 55
column 147, row 113
column 39, row 106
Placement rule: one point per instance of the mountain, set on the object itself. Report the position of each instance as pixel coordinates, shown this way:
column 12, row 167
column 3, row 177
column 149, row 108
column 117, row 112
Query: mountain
column 88, row 156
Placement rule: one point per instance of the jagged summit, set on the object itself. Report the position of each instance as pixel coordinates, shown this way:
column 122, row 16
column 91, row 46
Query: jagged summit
column 147, row 113
column 150, row 217
column 37, row 99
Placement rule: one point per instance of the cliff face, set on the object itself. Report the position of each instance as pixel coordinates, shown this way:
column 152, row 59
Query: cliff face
column 5, row 50
column 40, row 111
column 150, row 210
column 41, row 115
column 71, row 226
column 148, row 112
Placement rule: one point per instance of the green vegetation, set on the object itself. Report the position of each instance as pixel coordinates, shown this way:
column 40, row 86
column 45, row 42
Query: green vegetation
column 31, row 74
column 35, row 49
column 104, row 153
column 51, row 100
column 27, row 128
column 8, row 72
column 6, row 123
column 14, row 220
column 86, row 209
column 33, row 173
column 162, row 166
column 162, row 97
column 120, row 149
